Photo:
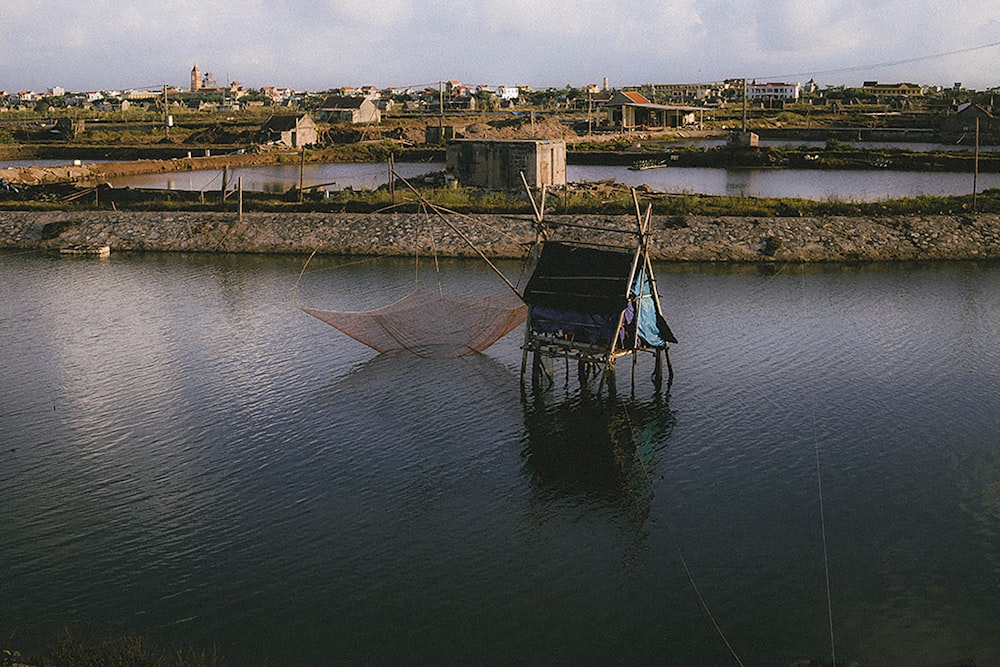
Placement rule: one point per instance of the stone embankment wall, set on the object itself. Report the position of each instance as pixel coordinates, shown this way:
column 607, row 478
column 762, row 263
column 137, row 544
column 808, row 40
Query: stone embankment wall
column 674, row 238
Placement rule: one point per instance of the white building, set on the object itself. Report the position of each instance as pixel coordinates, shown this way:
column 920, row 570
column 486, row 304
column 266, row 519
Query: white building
column 507, row 92
column 767, row 92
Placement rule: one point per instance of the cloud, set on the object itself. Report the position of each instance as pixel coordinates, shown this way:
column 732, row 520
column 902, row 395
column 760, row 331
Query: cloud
column 322, row 43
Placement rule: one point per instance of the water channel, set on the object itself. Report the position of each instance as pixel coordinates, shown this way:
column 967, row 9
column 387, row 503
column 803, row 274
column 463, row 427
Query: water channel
column 845, row 185
column 188, row 457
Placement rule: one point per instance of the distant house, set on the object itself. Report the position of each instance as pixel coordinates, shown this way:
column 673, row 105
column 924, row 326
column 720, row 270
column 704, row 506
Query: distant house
column 116, row 105
column 508, row 93
column 630, row 110
column 292, row 131
column 69, row 128
column 337, row 109
column 963, row 124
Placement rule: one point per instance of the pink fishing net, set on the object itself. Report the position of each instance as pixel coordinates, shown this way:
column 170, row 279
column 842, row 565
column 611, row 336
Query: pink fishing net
column 430, row 325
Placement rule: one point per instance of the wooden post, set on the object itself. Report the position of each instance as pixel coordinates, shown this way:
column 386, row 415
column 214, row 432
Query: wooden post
column 302, row 167
column 239, row 185
column 392, row 179
column 225, row 184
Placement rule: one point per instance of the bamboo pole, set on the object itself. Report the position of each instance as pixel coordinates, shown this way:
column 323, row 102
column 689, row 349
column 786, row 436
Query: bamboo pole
column 462, row 234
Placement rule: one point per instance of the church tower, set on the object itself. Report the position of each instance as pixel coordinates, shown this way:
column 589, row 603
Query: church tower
column 195, row 79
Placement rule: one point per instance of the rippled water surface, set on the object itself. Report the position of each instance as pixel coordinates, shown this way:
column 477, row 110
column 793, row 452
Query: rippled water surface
column 186, row 456
column 819, row 184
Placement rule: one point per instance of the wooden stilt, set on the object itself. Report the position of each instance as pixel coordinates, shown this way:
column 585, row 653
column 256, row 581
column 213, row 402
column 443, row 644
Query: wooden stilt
column 670, row 366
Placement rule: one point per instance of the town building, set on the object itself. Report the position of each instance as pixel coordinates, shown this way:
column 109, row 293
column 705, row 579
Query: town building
column 629, row 110
column 291, row 131
column 968, row 121
column 355, row 109
column 773, row 92
column 892, row 89
column 684, row 92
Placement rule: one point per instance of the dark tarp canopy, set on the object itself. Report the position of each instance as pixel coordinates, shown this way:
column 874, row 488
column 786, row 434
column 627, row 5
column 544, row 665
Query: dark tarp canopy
column 589, row 280
column 580, row 293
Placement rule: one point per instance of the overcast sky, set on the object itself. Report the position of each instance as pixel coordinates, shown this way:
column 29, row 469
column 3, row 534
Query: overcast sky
column 318, row 44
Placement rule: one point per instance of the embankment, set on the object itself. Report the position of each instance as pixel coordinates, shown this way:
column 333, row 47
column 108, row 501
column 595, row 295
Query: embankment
column 674, row 238
column 100, row 171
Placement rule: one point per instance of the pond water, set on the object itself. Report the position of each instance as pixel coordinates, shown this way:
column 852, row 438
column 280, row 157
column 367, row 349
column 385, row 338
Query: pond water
column 187, row 456
column 848, row 185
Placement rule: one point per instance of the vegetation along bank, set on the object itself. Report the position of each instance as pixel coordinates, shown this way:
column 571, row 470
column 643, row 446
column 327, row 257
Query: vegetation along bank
column 680, row 238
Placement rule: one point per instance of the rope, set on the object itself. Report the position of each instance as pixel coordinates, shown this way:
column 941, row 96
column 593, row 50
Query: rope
column 296, row 288
column 438, row 211
column 705, row 607
column 826, row 559
column 687, row 571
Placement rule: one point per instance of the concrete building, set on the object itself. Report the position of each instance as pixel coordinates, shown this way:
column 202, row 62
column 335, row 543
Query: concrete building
column 498, row 165
column 338, row 109
column 773, row 92
column 292, row 131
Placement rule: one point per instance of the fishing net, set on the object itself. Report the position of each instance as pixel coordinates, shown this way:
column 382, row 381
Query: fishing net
column 428, row 324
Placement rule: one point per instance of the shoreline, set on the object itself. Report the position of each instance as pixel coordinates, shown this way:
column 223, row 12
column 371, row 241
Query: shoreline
column 690, row 238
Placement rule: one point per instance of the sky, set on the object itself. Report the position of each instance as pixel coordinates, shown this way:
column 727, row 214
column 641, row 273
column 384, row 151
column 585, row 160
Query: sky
column 94, row 45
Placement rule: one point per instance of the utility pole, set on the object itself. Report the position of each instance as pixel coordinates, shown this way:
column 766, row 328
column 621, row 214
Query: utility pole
column 166, row 114
column 590, row 108
column 744, row 105
column 441, row 109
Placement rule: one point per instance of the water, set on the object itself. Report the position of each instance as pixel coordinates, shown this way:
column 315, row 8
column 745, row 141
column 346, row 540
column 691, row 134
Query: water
column 848, row 185
column 816, row 184
column 280, row 178
column 185, row 455
column 967, row 145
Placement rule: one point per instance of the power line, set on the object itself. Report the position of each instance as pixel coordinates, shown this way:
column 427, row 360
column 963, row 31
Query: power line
column 891, row 63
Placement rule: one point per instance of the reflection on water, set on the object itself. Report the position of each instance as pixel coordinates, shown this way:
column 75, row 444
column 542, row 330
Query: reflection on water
column 741, row 183
column 849, row 185
column 280, row 178
column 597, row 446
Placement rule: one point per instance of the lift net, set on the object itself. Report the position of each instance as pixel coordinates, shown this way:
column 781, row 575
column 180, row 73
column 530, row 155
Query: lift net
column 430, row 325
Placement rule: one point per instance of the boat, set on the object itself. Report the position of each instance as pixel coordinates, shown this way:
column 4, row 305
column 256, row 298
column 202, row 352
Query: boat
column 94, row 250
column 642, row 165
